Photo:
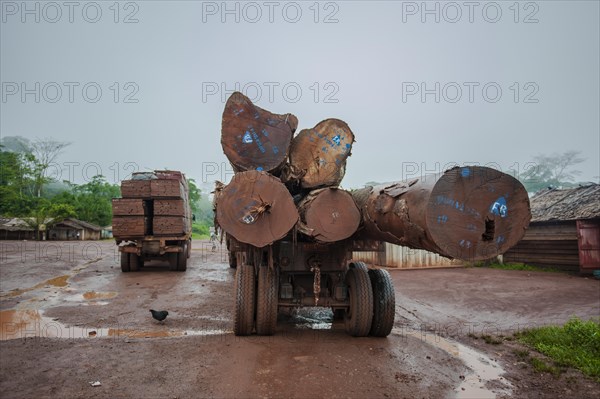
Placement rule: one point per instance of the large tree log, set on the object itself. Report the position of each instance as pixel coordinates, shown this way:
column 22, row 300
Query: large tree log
column 256, row 208
column 328, row 215
column 318, row 155
column 469, row 213
column 253, row 138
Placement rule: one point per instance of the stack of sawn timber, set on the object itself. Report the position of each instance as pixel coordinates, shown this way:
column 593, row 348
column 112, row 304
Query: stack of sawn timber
column 152, row 204
column 283, row 181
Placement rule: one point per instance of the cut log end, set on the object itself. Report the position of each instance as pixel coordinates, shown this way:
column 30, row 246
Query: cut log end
column 329, row 215
column 477, row 213
column 253, row 138
column 256, row 209
column 318, row 155
column 469, row 213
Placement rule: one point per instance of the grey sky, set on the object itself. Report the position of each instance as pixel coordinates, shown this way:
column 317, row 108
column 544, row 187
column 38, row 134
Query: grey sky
column 363, row 66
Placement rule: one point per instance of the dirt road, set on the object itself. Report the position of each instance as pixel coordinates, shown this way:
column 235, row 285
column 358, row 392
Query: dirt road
column 69, row 317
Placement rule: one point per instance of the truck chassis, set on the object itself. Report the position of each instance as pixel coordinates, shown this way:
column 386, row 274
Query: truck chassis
column 290, row 274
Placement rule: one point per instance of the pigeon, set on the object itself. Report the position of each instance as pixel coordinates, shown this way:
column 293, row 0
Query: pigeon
column 159, row 315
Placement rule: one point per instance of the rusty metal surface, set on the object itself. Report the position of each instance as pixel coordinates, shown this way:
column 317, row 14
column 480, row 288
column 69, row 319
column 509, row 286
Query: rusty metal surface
column 469, row 213
column 589, row 244
column 253, row 138
column 256, row 209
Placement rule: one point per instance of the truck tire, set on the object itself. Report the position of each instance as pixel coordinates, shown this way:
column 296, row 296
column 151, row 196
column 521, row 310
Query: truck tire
column 182, row 258
column 360, row 313
column 173, row 260
column 245, row 294
column 134, row 262
column 124, row 262
column 384, row 303
column 359, row 265
column 266, row 301
column 232, row 260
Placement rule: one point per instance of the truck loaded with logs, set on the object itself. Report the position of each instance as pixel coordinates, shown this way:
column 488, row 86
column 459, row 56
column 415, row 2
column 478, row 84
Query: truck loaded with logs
column 290, row 229
column 152, row 220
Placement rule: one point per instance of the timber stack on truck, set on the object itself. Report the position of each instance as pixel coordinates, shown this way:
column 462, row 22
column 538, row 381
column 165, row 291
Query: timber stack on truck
column 153, row 220
column 290, row 229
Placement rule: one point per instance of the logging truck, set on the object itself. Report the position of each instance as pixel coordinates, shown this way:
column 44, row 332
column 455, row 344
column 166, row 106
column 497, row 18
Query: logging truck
column 291, row 230
column 152, row 220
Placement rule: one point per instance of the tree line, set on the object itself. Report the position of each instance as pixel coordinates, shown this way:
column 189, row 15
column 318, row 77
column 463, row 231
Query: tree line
column 26, row 190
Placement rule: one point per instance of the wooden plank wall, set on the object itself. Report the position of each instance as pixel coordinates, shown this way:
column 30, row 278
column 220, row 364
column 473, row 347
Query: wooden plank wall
column 547, row 245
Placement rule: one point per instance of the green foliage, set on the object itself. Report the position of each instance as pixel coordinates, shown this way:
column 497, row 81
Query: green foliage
column 575, row 344
column 518, row 266
column 200, row 230
column 194, row 195
column 22, row 179
column 92, row 201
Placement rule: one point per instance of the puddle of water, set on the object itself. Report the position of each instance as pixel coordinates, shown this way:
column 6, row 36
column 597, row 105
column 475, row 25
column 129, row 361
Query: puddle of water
column 312, row 318
column 93, row 295
column 483, row 368
column 60, row 281
column 28, row 323
column 217, row 275
column 15, row 324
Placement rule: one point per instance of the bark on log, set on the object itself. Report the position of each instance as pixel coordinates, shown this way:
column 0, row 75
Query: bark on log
column 256, row 208
column 318, row 155
column 253, row 138
column 328, row 215
column 470, row 213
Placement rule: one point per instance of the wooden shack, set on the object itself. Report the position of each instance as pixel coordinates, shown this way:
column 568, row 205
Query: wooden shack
column 564, row 232
column 74, row 229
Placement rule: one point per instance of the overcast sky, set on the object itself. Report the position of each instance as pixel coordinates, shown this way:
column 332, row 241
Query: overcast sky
column 142, row 85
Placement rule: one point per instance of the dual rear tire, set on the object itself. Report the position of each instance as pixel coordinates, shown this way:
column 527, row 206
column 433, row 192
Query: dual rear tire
column 372, row 301
column 255, row 300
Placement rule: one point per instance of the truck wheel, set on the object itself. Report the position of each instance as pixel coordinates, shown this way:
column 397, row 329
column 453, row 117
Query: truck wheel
column 134, row 262
column 124, row 262
column 384, row 303
column 360, row 313
column 173, row 260
column 232, row 260
column 244, row 290
column 182, row 259
column 266, row 301
column 359, row 265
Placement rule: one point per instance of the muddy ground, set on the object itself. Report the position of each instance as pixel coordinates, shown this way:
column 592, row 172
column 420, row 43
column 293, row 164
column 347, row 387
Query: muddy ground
column 69, row 317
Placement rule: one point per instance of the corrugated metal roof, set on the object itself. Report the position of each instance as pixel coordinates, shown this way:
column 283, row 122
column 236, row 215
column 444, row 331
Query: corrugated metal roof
column 78, row 224
column 566, row 204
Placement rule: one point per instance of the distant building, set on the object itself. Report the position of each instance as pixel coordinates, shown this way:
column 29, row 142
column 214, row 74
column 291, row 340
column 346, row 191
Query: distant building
column 74, row 229
column 15, row 229
column 564, row 231
column 391, row 255
column 107, row 232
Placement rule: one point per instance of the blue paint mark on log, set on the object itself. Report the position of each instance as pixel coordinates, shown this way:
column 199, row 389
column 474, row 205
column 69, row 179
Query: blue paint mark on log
column 247, row 139
column 336, row 139
column 275, row 150
column 265, row 133
column 442, row 218
column 465, row 172
column 499, row 207
column 260, row 169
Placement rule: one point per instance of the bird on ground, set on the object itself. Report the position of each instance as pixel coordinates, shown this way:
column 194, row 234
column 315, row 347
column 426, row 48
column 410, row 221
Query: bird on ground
column 159, row 315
